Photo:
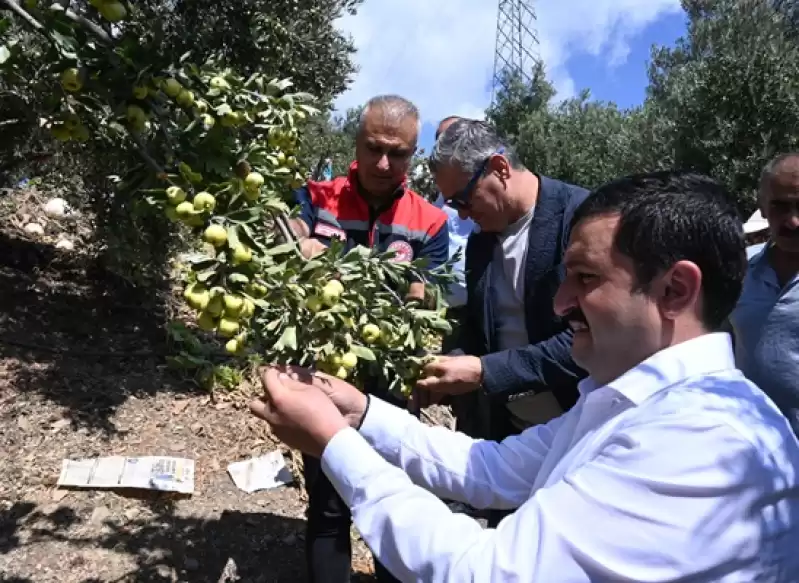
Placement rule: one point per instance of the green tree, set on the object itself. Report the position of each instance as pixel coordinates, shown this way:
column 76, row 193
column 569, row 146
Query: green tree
column 727, row 95
column 281, row 38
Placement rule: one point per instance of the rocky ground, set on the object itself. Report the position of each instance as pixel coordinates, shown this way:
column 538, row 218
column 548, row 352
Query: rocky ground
column 82, row 374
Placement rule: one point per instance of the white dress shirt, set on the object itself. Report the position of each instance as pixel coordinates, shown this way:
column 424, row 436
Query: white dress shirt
column 679, row 470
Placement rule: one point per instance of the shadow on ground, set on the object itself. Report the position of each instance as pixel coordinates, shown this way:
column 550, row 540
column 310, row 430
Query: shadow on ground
column 76, row 335
column 238, row 546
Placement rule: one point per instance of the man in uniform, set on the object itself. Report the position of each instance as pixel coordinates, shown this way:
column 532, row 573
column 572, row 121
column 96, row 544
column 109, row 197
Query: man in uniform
column 371, row 206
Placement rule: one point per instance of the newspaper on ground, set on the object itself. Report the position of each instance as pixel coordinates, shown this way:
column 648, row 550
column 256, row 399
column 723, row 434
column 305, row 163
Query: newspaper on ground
column 166, row 474
column 260, row 473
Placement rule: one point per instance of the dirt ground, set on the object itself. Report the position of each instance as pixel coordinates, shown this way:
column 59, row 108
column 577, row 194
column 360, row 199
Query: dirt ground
column 82, row 374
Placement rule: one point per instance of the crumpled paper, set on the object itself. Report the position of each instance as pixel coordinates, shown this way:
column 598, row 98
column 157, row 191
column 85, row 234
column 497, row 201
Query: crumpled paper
column 260, row 473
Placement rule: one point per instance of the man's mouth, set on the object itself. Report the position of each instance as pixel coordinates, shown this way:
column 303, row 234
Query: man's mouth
column 576, row 320
column 577, row 326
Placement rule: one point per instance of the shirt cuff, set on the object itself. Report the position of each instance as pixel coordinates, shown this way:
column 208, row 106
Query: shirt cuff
column 384, row 427
column 348, row 460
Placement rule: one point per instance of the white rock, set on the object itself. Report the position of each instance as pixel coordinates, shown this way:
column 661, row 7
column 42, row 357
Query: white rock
column 65, row 244
column 56, row 208
column 34, row 229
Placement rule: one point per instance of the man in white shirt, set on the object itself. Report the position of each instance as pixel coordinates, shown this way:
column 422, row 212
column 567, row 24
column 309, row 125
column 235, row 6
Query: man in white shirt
column 672, row 466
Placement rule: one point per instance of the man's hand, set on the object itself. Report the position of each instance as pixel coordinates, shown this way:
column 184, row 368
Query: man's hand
column 310, row 248
column 301, row 415
column 452, row 375
column 349, row 401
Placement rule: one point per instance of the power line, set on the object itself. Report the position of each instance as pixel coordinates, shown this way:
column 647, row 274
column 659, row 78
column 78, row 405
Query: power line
column 517, row 42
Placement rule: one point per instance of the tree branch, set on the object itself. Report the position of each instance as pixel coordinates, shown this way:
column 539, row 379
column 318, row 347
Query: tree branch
column 23, row 14
column 88, row 24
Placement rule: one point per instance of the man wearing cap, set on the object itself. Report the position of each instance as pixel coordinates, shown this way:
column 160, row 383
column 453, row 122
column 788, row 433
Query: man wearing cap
column 756, row 233
column 766, row 319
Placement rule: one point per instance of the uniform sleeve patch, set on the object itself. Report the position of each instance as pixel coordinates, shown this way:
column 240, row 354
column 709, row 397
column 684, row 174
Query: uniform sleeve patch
column 403, row 252
column 325, row 230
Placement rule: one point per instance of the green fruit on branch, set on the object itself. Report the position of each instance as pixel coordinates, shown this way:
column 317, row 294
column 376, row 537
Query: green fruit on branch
column 232, row 346
column 172, row 87
column 215, row 306
column 137, row 117
column 370, row 333
column 71, row 80
column 201, row 106
column 313, row 304
column 219, row 83
column 204, row 201
column 232, row 119
column 206, row 321
column 208, row 121
column 185, row 210
column 81, row 133
column 140, row 92
column 113, row 11
column 254, row 181
column 216, row 235
column 61, row 132
column 175, row 195
column 185, row 98
column 248, row 309
column 331, row 293
column 349, row 360
column 233, row 305
column 241, row 254
column 342, row 373
column 172, row 214
column 228, row 328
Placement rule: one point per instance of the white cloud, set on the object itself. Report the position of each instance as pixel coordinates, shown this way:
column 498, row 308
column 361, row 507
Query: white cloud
column 440, row 53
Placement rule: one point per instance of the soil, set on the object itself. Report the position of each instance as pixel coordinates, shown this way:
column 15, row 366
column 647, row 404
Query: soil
column 83, row 374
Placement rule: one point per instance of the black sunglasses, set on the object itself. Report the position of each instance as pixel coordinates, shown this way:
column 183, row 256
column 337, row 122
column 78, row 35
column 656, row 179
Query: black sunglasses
column 460, row 200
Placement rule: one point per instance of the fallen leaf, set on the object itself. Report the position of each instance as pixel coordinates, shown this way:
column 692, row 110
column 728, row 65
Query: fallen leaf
column 179, row 407
column 60, row 424
column 59, row 495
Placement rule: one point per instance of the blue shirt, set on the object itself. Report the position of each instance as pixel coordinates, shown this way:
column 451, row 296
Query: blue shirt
column 459, row 231
column 766, row 325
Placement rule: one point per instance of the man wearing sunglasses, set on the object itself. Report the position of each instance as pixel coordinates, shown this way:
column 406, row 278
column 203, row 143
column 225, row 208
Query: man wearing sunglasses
column 514, row 358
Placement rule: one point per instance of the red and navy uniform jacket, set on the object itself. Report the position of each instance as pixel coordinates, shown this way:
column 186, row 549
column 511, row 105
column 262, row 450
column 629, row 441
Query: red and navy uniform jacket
column 410, row 226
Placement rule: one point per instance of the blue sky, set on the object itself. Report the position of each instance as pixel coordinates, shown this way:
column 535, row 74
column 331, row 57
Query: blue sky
column 602, row 45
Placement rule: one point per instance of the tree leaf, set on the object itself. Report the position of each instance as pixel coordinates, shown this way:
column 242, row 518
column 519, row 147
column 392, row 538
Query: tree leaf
column 288, row 339
column 363, row 352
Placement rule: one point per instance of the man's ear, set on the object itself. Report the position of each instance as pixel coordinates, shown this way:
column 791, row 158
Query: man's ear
column 499, row 164
column 680, row 289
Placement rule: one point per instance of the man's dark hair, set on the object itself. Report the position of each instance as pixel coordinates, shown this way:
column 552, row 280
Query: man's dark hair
column 668, row 216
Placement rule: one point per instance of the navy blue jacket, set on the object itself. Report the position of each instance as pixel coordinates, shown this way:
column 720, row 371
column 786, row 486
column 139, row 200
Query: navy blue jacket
column 545, row 363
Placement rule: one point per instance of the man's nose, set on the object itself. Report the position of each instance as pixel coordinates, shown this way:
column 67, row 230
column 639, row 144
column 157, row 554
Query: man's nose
column 564, row 299
column 383, row 163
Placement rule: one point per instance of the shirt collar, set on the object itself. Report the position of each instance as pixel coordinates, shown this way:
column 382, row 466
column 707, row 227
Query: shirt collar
column 700, row 356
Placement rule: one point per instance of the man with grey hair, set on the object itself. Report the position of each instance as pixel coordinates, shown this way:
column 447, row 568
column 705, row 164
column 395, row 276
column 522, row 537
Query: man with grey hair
column 373, row 207
column 511, row 341
column 766, row 319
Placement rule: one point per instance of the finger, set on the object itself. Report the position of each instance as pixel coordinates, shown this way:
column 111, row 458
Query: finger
column 428, row 383
column 273, row 380
column 263, row 409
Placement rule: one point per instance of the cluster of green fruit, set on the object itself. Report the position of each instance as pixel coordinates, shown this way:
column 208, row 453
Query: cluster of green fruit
column 69, row 128
column 222, row 312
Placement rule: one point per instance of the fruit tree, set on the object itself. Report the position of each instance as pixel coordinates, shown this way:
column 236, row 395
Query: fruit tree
column 218, row 153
